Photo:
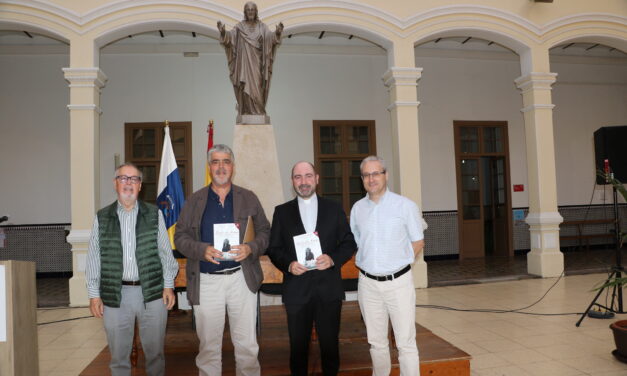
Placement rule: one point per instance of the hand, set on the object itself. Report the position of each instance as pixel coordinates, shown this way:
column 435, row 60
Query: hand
column 221, row 28
column 168, row 298
column 279, row 29
column 323, row 262
column 296, row 268
column 417, row 246
column 96, row 307
column 241, row 251
column 211, row 254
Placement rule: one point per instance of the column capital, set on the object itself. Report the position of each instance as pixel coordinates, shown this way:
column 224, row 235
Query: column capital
column 544, row 219
column 536, row 81
column 401, row 76
column 85, row 77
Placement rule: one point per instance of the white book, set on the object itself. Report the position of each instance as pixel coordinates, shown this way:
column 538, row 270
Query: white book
column 307, row 249
column 225, row 235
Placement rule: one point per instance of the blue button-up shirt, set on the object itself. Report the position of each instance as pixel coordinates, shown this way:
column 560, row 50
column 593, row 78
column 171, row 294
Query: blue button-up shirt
column 214, row 213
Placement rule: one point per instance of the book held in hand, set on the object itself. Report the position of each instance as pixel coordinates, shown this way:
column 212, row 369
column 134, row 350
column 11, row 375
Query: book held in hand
column 225, row 236
column 307, row 249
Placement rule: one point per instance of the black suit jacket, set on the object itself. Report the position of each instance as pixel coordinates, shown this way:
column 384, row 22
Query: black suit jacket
column 336, row 240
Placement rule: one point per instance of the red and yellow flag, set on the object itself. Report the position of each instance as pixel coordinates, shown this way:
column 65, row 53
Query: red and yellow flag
column 209, row 146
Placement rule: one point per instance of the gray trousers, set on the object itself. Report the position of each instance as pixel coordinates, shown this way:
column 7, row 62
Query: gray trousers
column 119, row 325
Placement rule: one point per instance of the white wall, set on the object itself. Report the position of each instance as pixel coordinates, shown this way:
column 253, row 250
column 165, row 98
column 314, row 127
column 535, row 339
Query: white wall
column 586, row 98
column 34, row 126
column 34, row 139
column 465, row 89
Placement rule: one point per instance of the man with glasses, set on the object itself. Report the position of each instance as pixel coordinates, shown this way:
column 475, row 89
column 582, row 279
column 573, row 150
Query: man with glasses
column 216, row 285
column 388, row 229
column 130, row 274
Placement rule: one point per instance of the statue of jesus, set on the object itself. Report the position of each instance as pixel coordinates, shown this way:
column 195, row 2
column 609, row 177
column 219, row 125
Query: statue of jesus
column 250, row 48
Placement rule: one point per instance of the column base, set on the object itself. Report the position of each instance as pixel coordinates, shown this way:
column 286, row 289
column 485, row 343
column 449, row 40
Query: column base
column 78, row 288
column 545, row 259
column 545, row 264
column 78, row 291
column 419, row 271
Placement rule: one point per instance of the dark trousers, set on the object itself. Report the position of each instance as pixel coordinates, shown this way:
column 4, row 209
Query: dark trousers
column 300, row 319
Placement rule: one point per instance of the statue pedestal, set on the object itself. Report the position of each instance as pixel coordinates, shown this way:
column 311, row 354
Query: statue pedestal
column 257, row 165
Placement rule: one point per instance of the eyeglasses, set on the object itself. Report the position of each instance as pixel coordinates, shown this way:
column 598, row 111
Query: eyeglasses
column 132, row 179
column 216, row 162
column 374, row 175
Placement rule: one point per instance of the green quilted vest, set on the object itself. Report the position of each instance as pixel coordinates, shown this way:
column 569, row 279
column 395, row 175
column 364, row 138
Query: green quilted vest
column 146, row 254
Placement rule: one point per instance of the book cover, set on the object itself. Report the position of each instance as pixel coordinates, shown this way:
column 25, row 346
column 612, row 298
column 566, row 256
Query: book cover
column 307, row 249
column 225, row 235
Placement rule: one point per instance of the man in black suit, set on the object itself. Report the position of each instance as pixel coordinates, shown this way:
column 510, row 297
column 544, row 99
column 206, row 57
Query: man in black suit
column 311, row 296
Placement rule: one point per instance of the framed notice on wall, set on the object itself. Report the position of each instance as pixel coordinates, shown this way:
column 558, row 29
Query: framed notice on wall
column 3, row 305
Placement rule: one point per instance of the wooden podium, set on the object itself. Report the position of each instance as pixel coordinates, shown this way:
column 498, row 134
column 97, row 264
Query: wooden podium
column 18, row 302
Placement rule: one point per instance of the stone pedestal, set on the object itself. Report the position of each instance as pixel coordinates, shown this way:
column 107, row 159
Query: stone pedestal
column 257, row 165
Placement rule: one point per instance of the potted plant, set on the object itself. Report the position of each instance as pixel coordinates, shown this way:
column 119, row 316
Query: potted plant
column 619, row 328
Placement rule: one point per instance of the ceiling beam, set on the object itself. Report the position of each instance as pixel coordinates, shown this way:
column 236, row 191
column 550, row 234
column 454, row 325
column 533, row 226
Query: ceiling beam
column 491, row 43
column 437, row 40
column 28, row 34
column 568, row 45
column 467, row 39
column 350, row 37
column 161, row 33
column 591, row 47
column 321, row 35
column 194, row 34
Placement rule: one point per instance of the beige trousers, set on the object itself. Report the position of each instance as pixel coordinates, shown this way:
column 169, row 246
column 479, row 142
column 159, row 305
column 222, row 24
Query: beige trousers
column 394, row 300
column 220, row 294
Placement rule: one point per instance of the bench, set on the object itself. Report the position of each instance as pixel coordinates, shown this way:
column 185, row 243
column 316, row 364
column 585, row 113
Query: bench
column 584, row 237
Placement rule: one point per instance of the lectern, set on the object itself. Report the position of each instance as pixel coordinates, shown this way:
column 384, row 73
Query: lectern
column 18, row 319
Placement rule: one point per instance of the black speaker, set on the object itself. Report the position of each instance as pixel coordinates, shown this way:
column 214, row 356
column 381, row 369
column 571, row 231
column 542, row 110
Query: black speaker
column 611, row 143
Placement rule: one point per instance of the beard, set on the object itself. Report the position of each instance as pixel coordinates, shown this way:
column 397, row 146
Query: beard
column 220, row 176
column 305, row 190
column 128, row 195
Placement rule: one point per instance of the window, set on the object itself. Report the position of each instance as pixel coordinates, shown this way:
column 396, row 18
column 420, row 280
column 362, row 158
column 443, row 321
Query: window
column 339, row 148
column 143, row 145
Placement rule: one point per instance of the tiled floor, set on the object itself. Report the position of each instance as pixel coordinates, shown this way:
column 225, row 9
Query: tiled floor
column 501, row 344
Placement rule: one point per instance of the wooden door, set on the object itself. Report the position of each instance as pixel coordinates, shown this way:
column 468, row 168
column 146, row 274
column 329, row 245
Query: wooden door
column 483, row 195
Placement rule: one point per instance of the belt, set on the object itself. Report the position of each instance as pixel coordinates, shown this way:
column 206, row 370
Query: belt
column 131, row 283
column 389, row 277
column 225, row 272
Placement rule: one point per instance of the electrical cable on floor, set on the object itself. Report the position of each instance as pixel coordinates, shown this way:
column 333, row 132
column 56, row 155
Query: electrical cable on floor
column 518, row 310
column 72, row 319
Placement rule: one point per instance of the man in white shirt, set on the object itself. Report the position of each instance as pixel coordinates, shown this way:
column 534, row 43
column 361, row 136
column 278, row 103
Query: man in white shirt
column 389, row 234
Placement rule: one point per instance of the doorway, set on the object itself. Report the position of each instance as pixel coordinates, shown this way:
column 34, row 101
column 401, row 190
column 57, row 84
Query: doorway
column 483, row 194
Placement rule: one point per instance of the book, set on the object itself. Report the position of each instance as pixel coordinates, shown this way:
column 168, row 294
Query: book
column 225, row 235
column 307, row 249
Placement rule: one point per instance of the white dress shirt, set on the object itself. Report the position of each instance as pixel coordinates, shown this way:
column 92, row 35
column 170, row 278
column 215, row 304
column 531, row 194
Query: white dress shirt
column 308, row 209
column 384, row 232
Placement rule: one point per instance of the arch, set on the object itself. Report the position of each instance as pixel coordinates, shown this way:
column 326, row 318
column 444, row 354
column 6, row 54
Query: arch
column 590, row 36
column 41, row 29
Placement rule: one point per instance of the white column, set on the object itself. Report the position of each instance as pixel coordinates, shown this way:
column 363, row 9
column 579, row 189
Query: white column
column 85, row 85
column 402, row 83
column 545, row 258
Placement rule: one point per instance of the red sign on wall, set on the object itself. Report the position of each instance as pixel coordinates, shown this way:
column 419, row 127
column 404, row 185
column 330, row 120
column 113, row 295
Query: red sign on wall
column 519, row 187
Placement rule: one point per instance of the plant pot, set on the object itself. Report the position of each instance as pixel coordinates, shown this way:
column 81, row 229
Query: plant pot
column 619, row 328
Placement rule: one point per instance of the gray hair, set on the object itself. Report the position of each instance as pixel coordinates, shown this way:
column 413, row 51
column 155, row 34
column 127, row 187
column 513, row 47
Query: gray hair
column 220, row 148
column 373, row 158
column 130, row 164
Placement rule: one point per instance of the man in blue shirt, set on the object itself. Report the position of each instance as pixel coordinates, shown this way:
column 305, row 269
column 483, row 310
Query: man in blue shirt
column 216, row 286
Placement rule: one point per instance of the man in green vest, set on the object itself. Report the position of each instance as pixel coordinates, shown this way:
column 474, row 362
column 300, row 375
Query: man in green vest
column 130, row 274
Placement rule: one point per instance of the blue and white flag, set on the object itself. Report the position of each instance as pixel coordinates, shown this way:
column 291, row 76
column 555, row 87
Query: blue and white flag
column 170, row 199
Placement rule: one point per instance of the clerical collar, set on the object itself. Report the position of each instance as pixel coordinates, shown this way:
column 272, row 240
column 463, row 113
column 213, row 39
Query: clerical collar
column 309, row 200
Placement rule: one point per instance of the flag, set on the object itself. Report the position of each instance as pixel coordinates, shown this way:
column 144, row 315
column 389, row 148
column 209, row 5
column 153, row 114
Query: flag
column 170, row 198
column 209, row 146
